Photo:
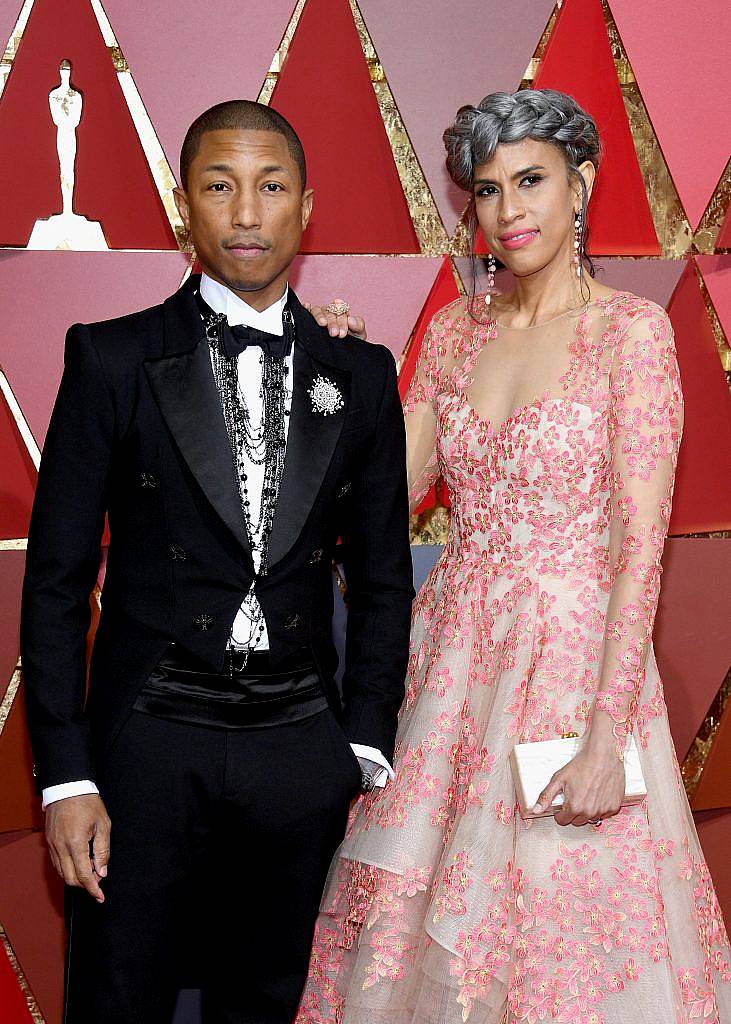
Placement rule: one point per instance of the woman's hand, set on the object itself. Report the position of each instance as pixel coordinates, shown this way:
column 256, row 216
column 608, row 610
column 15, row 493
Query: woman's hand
column 592, row 783
column 338, row 326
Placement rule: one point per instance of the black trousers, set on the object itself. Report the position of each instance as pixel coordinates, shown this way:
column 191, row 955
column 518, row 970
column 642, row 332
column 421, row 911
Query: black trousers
column 220, row 845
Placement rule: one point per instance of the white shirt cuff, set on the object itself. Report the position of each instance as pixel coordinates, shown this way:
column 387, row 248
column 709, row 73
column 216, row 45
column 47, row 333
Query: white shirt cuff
column 54, row 793
column 373, row 754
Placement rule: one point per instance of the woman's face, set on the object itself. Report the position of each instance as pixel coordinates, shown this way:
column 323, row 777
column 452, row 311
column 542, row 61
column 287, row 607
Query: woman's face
column 525, row 205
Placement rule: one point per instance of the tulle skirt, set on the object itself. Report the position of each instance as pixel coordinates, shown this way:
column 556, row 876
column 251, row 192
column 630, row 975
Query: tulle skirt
column 443, row 906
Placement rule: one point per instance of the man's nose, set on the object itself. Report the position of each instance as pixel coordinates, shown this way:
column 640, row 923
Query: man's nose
column 247, row 211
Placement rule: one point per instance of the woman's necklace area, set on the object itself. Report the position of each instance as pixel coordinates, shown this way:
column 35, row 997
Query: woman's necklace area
column 544, row 323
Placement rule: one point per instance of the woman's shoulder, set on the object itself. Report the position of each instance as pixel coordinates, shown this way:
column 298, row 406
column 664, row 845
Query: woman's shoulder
column 625, row 308
column 629, row 322
column 454, row 328
column 453, row 314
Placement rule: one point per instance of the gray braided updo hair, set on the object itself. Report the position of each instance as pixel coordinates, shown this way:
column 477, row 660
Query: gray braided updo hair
column 541, row 114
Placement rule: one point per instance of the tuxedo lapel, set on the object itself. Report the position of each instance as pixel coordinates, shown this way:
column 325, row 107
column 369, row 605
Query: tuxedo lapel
column 313, row 433
column 183, row 385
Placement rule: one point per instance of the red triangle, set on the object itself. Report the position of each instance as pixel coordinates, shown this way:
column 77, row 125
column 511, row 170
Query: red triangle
column 359, row 202
column 113, row 181
column 480, row 243
column 578, row 61
column 19, row 807
column 702, row 500
column 17, row 478
column 12, row 568
column 714, row 788
column 12, row 1000
column 31, row 911
column 443, row 291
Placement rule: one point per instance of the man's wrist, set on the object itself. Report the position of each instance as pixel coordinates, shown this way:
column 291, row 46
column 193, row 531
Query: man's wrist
column 64, row 790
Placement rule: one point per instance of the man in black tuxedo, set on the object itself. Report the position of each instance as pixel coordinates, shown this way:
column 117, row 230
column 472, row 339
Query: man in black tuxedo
column 231, row 442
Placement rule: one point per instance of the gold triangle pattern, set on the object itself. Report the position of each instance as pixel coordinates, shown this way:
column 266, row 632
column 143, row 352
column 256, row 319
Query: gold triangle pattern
column 723, row 343
column 704, row 240
column 8, row 698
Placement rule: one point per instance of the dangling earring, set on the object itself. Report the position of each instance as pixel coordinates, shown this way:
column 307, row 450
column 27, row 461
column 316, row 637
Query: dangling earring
column 491, row 266
column 577, row 259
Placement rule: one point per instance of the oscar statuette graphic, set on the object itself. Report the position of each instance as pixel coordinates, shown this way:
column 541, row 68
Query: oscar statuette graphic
column 67, row 230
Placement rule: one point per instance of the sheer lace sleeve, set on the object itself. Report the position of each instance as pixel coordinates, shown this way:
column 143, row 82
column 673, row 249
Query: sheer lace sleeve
column 645, row 427
column 420, row 413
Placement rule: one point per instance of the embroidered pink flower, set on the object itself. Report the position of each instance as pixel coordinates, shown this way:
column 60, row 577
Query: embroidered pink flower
column 413, row 880
column 454, row 884
column 392, row 953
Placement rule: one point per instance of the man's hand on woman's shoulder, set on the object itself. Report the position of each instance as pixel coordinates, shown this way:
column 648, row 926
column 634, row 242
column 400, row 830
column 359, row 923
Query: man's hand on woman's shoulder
column 338, row 325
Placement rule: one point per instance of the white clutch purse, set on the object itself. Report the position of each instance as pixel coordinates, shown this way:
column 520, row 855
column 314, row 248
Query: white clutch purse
column 533, row 764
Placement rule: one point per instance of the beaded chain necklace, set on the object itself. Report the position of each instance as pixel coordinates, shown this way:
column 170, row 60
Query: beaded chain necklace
column 263, row 444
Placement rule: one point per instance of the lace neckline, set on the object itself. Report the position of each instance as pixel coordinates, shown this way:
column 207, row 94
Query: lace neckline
column 575, row 310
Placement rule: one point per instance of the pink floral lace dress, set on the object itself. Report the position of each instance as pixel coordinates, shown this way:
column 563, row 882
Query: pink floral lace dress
column 443, row 905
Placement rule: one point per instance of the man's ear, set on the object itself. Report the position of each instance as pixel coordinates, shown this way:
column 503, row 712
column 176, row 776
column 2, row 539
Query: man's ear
column 307, row 200
column 181, row 204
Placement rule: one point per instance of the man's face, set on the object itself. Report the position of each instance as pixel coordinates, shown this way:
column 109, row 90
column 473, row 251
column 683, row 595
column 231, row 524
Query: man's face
column 245, row 210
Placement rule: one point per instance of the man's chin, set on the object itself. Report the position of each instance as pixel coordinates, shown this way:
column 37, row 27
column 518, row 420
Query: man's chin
column 247, row 284
column 239, row 280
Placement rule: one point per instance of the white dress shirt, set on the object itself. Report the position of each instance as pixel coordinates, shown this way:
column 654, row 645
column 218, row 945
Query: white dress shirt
column 250, row 366
column 250, row 362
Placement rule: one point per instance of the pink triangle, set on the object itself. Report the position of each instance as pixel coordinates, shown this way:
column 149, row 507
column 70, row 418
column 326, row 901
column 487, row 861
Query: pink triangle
column 692, row 640
column 51, row 291
column 387, row 291
column 198, row 57
column 679, row 55
column 439, row 56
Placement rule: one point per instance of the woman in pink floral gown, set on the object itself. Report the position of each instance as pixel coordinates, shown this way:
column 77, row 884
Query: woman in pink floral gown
column 554, row 414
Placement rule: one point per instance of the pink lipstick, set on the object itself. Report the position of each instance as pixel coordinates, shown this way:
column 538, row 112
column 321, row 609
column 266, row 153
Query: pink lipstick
column 517, row 239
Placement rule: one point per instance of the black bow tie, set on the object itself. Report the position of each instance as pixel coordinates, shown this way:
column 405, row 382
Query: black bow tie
column 235, row 339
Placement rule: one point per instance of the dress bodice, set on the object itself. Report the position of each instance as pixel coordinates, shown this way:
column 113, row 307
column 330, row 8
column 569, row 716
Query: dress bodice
column 532, row 493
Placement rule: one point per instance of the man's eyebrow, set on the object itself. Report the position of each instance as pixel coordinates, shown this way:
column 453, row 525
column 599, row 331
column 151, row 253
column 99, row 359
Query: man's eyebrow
column 228, row 169
column 515, row 177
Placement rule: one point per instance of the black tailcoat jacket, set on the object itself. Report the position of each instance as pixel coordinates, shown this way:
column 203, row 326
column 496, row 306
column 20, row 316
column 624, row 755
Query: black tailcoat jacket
column 137, row 433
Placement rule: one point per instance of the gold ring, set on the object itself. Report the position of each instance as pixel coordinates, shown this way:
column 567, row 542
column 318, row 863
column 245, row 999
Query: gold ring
column 337, row 308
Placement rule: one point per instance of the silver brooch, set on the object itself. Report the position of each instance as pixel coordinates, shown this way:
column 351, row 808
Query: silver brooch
column 326, row 397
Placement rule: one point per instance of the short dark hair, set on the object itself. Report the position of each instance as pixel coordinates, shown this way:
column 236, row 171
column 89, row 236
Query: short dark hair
column 246, row 115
